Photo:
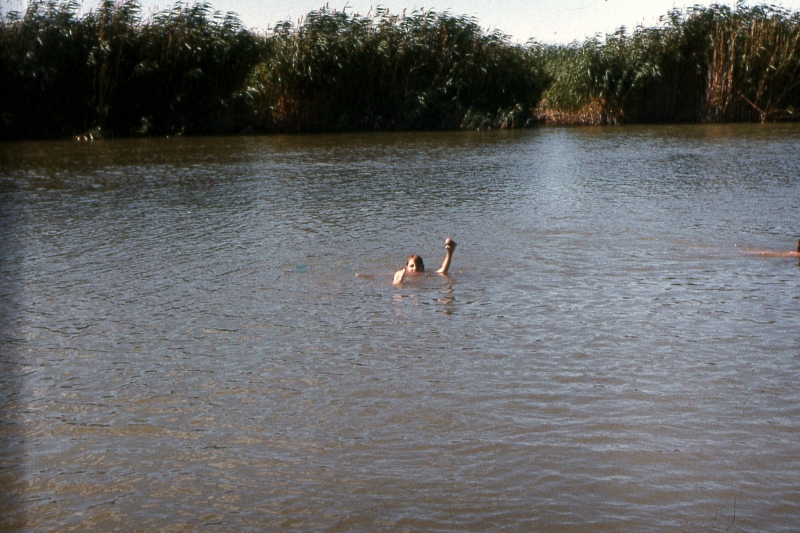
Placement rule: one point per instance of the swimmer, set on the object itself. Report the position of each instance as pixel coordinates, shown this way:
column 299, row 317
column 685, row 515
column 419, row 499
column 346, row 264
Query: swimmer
column 415, row 265
column 767, row 253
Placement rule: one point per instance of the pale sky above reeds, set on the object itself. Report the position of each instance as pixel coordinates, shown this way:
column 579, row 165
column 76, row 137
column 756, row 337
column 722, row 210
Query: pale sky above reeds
column 548, row 21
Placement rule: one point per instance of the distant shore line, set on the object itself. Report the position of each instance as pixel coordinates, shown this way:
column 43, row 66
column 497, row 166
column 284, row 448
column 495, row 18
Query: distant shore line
column 190, row 70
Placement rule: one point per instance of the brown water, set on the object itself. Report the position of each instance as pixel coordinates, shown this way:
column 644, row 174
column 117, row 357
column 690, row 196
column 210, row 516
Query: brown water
column 186, row 345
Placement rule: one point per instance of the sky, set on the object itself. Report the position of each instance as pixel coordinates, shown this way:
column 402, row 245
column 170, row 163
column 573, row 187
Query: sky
column 547, row 21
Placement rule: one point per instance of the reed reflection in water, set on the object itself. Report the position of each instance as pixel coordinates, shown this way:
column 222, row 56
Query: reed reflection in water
column 186, row 344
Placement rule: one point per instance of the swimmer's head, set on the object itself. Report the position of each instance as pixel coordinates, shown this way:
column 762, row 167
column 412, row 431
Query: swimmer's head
column 415, row 264
column 798, row 245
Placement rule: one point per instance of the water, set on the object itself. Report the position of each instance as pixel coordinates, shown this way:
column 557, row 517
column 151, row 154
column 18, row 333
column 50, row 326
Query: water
column 202, row 334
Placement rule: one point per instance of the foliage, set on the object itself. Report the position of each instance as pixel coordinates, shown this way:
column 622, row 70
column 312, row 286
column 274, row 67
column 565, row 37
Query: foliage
column 708, row 64
column 109, row 73
column 422, row 71
column 190, row 69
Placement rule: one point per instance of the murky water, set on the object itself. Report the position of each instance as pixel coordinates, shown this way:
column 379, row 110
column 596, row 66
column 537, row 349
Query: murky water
column 187, row 346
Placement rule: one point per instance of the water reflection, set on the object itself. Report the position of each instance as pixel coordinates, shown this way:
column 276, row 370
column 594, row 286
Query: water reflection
column 447, row 299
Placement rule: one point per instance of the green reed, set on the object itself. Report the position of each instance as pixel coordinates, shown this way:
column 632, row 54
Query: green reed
column 704, row 65
column 109, row 72
column 426, row 70
column 190, row 69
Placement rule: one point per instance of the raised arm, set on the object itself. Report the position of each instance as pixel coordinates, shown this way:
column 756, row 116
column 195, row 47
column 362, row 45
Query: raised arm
column 450, row 246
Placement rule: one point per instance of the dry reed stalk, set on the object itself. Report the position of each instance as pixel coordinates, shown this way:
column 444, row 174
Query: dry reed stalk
column 592, row 114
column 719, row 83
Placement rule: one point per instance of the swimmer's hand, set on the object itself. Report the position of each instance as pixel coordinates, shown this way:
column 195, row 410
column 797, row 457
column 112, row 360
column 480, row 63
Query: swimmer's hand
column 450, row 246
column 399, row 276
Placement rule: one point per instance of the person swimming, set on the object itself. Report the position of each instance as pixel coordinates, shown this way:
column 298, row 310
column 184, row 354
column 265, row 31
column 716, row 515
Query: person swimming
column 770, row 253
column 415, row 264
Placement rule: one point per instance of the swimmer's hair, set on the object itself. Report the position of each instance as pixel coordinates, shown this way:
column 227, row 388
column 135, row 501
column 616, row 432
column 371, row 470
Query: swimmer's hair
column 798, row 245
column 418, row 260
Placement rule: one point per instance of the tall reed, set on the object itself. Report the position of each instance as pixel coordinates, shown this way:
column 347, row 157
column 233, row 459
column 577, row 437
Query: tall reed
column 190, row 69
column 108, row 72
column 754, row 65
column 45, row 79
column 426, row 70
column 702, row 65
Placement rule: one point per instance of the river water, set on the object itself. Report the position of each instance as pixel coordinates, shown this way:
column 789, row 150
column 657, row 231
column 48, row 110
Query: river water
column 202, row 334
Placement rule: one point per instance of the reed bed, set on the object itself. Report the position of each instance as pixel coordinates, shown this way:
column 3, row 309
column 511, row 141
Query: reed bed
column 192, row 70
column 109, row 72
column 713, row 64
column 425, row 70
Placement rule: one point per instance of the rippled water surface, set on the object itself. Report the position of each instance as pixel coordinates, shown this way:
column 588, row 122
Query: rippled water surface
column 202, row 334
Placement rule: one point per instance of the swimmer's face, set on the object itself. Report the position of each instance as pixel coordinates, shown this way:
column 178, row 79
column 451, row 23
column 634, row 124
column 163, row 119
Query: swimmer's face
column 414, row 264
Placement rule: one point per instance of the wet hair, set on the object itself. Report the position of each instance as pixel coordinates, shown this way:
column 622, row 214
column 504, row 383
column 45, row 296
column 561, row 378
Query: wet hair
column 798, row 245
column 417, row 259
